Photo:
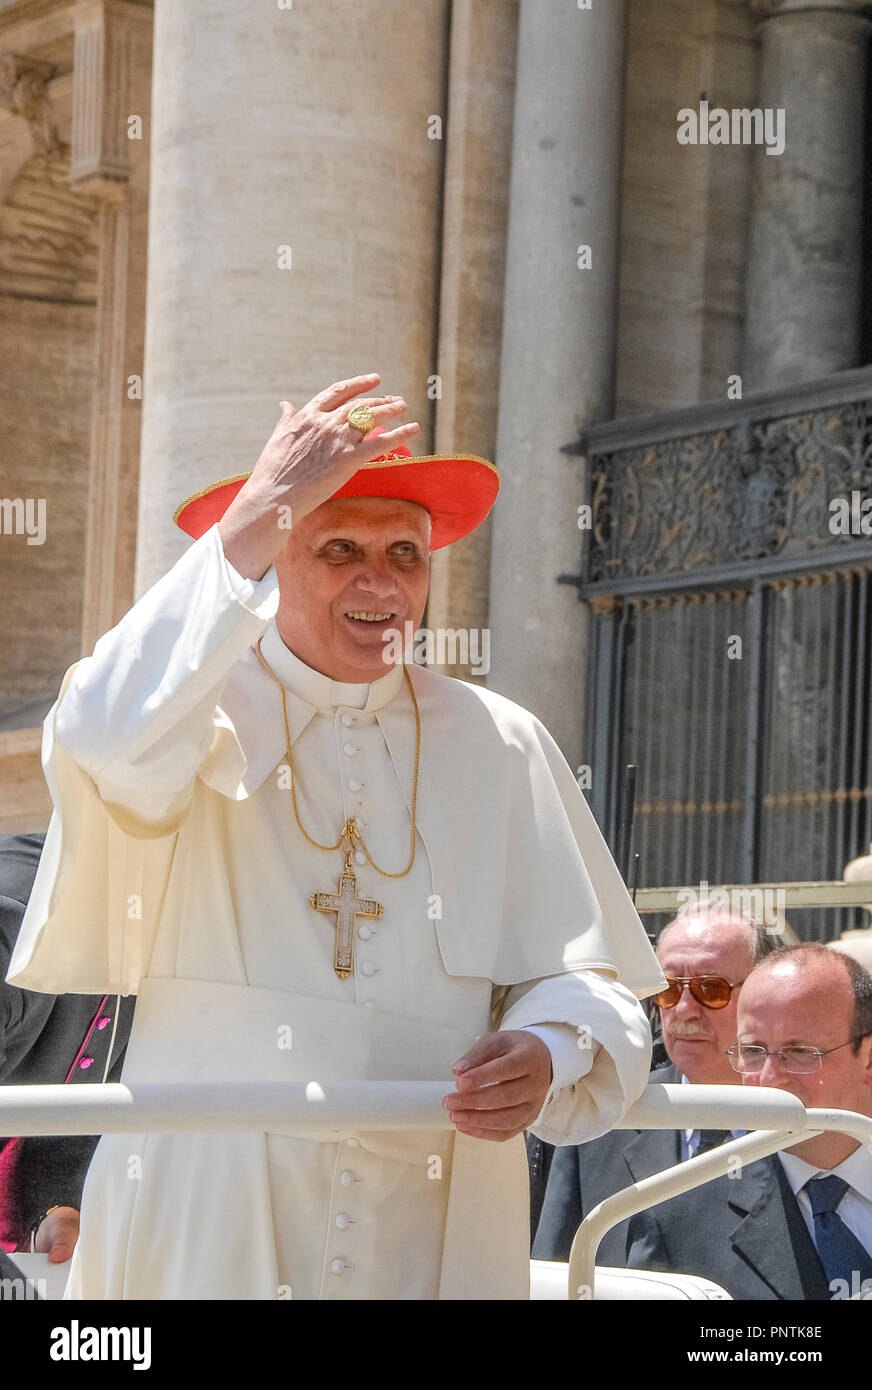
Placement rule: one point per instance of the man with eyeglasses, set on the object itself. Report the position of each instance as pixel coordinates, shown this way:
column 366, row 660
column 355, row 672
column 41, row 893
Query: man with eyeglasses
column 796, row 1225
column 705, row 954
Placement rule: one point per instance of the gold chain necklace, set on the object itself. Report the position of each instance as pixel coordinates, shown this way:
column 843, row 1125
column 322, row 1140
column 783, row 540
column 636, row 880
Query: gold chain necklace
column 345, row 902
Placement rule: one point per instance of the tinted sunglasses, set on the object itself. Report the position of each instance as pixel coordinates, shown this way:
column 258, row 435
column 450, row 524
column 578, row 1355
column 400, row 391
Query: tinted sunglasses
column 712, row 991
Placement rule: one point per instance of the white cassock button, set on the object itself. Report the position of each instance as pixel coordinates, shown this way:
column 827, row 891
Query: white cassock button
column 368, row 968
column 364, row 932
column 349, row 749
column 347, row 720
column 359, row 857
column 337, row 1266
column 347, row 1178
column 343, row 1221
column 353, row 1143
column 353, row 785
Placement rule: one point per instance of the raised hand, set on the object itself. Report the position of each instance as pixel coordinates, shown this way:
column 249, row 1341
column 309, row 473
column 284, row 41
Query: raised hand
column 310, row 454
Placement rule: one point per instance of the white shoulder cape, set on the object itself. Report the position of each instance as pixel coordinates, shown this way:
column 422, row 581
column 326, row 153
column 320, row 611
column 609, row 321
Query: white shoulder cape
column 528, row 888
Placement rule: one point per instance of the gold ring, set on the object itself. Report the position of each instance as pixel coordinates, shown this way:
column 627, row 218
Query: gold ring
column 361, row 418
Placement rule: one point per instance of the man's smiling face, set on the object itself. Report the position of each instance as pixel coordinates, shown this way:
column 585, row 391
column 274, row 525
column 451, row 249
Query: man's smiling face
column 353, row 569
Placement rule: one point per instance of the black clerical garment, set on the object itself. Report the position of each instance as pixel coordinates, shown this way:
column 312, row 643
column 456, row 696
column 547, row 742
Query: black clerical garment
column 46, row 1039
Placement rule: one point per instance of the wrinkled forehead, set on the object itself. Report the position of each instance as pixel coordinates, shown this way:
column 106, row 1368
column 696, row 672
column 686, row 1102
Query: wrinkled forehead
column 787, row 998
column 371, row 516
column 703, row 949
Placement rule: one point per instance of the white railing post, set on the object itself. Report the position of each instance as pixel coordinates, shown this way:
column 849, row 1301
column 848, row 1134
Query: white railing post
column 658, row 1188
column 701, row 1107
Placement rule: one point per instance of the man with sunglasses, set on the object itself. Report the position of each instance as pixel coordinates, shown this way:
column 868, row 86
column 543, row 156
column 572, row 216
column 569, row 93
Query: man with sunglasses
column 705, row 954
column 797, row 1225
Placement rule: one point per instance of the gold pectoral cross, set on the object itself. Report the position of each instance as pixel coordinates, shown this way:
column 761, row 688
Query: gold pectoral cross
column 347, row 906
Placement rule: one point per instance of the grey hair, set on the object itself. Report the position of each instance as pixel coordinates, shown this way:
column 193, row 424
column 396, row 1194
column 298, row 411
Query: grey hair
column 761, row 941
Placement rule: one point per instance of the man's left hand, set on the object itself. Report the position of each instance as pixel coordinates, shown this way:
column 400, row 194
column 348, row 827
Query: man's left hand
column 502, row 1082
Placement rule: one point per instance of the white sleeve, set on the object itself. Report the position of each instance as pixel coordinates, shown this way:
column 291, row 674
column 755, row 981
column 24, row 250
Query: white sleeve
column 604, row 1024
column 562, row 1042
column 137, row 713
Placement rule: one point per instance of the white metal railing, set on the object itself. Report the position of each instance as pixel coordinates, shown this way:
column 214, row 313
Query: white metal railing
column 776, row 1118
column 114, row 1108
column 695, row 1107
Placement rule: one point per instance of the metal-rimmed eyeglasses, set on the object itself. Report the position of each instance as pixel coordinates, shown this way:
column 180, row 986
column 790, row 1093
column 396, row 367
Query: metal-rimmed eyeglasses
column 751, row 1057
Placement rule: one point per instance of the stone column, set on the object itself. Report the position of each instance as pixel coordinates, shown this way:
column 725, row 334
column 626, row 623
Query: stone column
column 558, row 350
column 804, row 257
column 478, row 160
column 296, row 185
column 109, row 160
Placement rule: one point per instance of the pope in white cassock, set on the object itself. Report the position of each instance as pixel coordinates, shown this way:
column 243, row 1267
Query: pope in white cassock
column 310, row 865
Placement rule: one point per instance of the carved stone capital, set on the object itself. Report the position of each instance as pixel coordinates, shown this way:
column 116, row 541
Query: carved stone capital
column 48, row 234
column 100, row 161
column 24, row 91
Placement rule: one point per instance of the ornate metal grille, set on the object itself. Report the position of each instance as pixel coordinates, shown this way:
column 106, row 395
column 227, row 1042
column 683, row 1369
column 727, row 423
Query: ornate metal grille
column 731, row 647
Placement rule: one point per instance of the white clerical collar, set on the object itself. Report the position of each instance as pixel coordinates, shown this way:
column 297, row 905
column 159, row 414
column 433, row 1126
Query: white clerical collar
column 319, row 690
column 856, row 1170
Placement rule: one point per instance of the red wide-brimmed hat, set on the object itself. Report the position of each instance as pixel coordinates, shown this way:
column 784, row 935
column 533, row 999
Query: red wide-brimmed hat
column 458, row 491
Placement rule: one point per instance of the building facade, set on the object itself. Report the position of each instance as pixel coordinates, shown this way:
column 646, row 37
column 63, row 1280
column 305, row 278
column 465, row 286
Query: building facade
column 568, row 231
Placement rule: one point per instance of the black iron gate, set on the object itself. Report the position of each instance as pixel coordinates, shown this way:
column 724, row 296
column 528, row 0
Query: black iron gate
column 730, row 637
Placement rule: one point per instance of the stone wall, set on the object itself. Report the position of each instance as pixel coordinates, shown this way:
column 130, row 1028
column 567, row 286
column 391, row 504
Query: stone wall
column 73, row 210
column 45, row 405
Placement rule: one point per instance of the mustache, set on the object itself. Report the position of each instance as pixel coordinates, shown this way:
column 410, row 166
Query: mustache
column 688, row 1029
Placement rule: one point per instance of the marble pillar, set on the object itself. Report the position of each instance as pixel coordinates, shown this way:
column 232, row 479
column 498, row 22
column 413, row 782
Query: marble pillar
column 296, row 186
column 109, row 161
column 558, row 349
column 478, row 155
column 805, row 245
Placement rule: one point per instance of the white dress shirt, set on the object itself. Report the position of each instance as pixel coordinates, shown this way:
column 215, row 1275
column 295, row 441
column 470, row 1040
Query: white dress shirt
column 690, row 1138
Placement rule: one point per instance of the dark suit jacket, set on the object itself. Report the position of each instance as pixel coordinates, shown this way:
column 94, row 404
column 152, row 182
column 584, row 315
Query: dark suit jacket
column 45, row 1038
column 746, row 1233
column 581, row 1175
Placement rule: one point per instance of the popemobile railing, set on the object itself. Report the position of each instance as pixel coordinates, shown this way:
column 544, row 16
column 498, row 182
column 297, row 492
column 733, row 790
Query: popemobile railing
column 776, row 1120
